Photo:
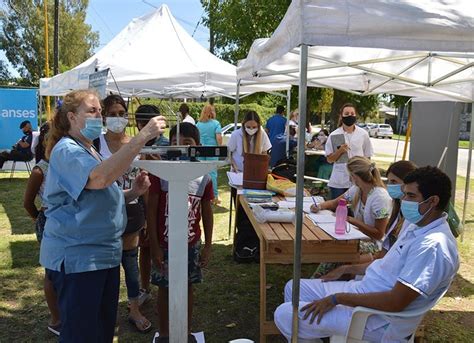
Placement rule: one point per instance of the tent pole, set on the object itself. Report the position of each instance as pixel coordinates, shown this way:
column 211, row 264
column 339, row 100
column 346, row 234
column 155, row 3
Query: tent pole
column 288, row 104
column 236, row 109
column 299, row 189
column 408, row 134
column 468, row 174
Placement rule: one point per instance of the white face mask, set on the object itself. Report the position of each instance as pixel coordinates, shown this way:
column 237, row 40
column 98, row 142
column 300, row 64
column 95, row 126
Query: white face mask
column 322, row 138
column 116, row 124
column 251, row 132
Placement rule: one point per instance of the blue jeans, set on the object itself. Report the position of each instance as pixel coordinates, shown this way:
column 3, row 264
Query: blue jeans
column 130, row 267
column 88, row 304
column 336, row 192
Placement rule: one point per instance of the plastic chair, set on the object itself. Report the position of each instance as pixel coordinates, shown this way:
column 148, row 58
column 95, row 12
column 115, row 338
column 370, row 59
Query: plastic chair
column 28, row 167
column 355, row 333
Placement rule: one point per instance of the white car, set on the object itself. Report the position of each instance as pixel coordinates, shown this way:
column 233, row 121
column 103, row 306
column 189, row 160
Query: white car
column 227, row 131
column 381, row 130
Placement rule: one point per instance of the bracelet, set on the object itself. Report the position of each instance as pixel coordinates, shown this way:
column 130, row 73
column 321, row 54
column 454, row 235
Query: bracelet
column 334, row 299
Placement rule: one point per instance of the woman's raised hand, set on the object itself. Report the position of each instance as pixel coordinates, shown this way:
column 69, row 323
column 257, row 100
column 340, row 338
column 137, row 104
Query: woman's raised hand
column 155, row 127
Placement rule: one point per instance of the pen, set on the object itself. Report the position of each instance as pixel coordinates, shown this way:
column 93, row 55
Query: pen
column 314, row 202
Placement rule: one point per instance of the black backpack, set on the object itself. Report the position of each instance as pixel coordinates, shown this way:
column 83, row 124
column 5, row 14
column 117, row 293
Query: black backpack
column 286, row 168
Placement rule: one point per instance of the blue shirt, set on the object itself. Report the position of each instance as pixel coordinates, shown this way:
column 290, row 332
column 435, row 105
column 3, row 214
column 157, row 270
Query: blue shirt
column 84, row 227
column 275, row 126
column 208, row 130
column 279, row 148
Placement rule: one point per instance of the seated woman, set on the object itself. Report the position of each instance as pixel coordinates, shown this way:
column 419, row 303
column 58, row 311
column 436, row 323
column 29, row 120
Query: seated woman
column 371, row 205
column 318, row 141
column 250, row 138
column 395, row 175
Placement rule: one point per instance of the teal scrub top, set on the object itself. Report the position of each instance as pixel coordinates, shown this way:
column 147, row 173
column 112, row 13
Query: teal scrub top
column 208, row 131
column 83, row 227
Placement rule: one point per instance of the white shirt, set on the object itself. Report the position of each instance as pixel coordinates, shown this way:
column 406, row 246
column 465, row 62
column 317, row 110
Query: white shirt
column 359, row 144
column 377, row 206
column 189, row 119
column 235, row 146
column 425, row 259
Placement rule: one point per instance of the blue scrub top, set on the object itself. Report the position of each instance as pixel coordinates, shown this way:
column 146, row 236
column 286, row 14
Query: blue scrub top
column 208, row 131
column 276, row 126
column 84, row 227
column 279, row 148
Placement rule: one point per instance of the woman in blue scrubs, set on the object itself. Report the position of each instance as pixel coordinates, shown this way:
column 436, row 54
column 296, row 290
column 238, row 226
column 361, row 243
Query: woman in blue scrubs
column 82, row 247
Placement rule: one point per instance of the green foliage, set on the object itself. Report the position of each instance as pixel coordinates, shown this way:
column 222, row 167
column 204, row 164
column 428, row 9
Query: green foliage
column 22, row 35
column 4, row 73
column 366, row 106
column 235, row 24
column 225, row 112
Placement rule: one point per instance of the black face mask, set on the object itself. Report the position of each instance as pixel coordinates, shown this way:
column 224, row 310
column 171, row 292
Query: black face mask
column 349, row 121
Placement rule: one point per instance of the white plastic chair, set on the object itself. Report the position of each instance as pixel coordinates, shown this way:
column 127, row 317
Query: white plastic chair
column 355, row 333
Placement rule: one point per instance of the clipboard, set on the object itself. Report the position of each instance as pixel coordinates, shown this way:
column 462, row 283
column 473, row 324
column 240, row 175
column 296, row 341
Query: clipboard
column 337, row 141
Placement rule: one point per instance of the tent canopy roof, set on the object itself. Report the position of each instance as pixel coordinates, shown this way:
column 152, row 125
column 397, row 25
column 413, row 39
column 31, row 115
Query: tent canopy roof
column 423, row 49
column 150, row 56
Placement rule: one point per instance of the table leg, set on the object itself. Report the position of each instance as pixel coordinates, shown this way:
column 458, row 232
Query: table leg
column 230, row 212
column 263, row 294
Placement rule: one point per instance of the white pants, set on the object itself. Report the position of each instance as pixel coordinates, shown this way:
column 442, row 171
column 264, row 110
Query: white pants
column 334, row 322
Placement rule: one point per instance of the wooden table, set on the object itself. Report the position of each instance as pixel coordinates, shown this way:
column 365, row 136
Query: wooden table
column 277, row 246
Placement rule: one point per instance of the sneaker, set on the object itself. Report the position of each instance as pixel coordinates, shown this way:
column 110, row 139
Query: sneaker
column 55, row 329
column 144, row 296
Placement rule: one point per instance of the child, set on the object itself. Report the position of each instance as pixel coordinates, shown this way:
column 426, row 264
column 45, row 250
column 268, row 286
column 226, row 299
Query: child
column 199, row 204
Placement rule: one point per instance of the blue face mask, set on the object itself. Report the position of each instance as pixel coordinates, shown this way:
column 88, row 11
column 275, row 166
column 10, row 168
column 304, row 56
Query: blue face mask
column 93, row 128
column 395, row 191
column 411, row 211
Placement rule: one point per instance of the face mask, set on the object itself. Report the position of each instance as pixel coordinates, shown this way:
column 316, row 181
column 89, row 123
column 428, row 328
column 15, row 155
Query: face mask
column 93, row 128
column 322, row 139
column 251, row 132
column 395, row 191
column 349, row 121
column 116, row 124
column 411, row 211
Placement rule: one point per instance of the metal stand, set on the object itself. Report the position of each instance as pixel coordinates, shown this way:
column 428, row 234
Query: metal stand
column 178, row 174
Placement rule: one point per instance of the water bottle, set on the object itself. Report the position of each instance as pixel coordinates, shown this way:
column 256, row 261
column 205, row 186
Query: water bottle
column 341, row 217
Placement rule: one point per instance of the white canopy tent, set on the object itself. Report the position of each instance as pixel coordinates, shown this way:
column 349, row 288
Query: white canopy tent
column 153, row 56
column 419, row 48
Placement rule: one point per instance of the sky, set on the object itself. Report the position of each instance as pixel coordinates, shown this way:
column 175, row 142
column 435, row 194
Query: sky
column 109, row 17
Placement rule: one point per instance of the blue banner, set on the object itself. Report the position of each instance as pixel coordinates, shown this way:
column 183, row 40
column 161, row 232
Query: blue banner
column 16, row 105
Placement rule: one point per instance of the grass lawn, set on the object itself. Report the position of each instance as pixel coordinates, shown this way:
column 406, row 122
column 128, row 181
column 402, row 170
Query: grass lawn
column 227, row 303
column 462, row 144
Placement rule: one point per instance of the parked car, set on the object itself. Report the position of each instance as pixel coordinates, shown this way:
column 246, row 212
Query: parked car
column 366, row 126
column 381, row 130
column 227, row 131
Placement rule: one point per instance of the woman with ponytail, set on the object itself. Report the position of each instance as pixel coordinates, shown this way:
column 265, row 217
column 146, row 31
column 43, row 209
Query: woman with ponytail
column 250, row 138
column 371, row 205
column 81, row 247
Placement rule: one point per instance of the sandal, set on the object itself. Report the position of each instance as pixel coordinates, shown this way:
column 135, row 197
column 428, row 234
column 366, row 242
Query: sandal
column 139, row 324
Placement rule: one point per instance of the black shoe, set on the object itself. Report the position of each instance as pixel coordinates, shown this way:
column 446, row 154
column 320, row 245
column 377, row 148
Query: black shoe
column 191, row 339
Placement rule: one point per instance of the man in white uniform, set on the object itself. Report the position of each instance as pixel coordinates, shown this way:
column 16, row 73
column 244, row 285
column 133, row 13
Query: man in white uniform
column 416, row 270
column 347, row 141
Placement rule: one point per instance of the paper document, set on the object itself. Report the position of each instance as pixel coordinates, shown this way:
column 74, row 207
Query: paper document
column 236, row 179
column 322, row 218
column 330, row 229
column 318, row 199
column 290, row 204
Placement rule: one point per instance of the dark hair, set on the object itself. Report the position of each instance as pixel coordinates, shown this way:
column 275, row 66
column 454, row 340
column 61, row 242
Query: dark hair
column 183, row 108
column 292, row 130
column 431, row 181
column 186, row 130
column 400, row 169
column 24, row 123
column 142, row 114
column 111, row 100
column 326, row 132
column 40, row 149
column 280, row 109
column 347, row 104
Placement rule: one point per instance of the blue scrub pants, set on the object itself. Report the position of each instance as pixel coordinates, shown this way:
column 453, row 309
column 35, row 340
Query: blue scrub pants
column 336, row 192
column 87, row 304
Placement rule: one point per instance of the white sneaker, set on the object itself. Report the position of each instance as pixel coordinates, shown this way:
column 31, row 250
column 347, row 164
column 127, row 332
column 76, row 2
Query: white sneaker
column 144, row 296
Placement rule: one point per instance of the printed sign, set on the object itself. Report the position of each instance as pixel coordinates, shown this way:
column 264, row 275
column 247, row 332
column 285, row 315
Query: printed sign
column 98, row 81
column 16, row 106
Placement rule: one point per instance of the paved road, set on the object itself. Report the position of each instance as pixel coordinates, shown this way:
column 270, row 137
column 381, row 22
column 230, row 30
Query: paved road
column 385, row 147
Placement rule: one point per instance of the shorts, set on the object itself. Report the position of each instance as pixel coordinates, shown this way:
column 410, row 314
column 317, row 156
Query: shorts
column 159, row 277
column 39, row 225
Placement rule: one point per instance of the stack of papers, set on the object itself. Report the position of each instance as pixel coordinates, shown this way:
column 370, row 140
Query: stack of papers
column 290, row 202
column 235, row 179
column 328, row 225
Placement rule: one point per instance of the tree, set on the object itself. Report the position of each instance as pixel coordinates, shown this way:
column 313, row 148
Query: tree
column 5, row 75
column 365, row 105
column 22, row 35
column 235, row 24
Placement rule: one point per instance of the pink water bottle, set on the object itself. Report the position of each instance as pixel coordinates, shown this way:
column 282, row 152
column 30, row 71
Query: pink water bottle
column 341, row 217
